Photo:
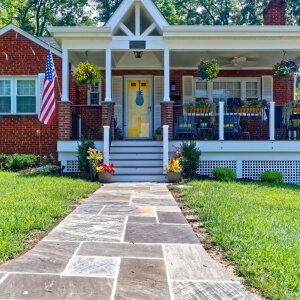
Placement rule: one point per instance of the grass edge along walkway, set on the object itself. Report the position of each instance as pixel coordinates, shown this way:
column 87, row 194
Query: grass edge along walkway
column 34, row 203
column 259, row 228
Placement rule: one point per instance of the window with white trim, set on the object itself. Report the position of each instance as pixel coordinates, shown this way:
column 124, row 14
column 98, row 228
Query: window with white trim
column 5, row 96
column 226, row 89
column 222, row 89
column 94, row 94
column 26, row 96
column 18, row 95
column 201, row 90
column 252, row 90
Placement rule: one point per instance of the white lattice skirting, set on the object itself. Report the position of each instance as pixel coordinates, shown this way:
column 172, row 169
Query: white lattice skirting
column 252, row 169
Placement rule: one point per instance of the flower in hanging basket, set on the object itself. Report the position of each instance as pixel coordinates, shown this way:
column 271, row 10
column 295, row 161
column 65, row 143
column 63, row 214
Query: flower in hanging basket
column 87, row 73
column 285, row 69
column 208, row 69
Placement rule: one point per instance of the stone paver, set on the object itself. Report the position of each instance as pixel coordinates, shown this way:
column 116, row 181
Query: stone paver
column 126, row 241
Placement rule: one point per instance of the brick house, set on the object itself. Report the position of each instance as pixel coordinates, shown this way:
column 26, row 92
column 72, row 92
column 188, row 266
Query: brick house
column 137, row 50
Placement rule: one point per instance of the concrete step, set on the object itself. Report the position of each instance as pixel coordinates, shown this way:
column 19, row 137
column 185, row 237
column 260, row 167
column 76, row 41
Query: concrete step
column 136, row 143
column 139, row 170
column 137, row 156
column 138, row 163
column 139, row 178
column 136, row 149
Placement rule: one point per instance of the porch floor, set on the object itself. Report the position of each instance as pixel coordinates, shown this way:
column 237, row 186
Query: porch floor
column 127, row 241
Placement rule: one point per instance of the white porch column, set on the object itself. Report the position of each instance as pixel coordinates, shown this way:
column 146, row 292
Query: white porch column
column 65, row 75
column 166, row 75
column 221, row 121
column 106, row 144
column 272, row 121
column 165, row 146
column 108, row 75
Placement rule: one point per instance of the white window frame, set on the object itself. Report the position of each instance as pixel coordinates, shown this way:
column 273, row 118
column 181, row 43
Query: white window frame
column 242, row 80
column 13, row 86
column 89, row 95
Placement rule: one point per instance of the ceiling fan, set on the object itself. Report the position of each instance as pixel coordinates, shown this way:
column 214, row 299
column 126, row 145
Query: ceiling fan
column 236, row 62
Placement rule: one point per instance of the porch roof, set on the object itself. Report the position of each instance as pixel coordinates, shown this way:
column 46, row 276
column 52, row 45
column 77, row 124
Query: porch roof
column 185, row 59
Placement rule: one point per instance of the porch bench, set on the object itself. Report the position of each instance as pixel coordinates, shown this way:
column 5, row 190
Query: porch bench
column 231, row 126
column 185, row 126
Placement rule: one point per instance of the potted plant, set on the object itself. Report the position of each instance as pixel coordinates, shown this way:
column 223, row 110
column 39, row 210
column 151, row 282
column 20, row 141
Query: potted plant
column 190, row 107
column 158, row 134
column 255, row 106
column 105, row 172
column 208, row 69
column 285, row 69
column 174, row 170
column 95, row 157
column 296, row 107
column 86, row 73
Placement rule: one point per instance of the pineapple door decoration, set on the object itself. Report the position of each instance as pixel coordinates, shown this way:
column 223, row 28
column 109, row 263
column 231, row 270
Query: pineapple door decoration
column 139, row 100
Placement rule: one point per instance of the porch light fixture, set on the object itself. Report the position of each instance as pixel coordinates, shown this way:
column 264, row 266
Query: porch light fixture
column 173, row 86
column 138, row 54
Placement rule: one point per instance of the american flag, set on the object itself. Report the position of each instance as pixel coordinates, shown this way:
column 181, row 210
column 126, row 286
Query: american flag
column 48, row 106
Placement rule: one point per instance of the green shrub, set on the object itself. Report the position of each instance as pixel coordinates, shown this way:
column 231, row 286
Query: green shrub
column 272, row 177
column 190, row 158
column 3, row 160
column 17, row 162
column 49, row 169
column 224, row 174
column 84, row 165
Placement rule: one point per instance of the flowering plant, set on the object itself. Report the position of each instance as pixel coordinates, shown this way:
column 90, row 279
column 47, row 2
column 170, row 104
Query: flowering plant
column 208, row 69
column 177, row 154
column 87, row 73
column 95, row 157
column 94, row 154
column 174, row 166
column 105, row 168
column 285, row 69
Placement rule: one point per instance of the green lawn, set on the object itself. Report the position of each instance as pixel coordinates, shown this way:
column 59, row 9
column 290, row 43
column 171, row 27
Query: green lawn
column 259, row 227
column 29, row 203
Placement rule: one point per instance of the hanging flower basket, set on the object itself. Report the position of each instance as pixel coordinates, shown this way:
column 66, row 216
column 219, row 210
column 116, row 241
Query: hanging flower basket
column 86, row 73
column 285, row 69
column 208, row 69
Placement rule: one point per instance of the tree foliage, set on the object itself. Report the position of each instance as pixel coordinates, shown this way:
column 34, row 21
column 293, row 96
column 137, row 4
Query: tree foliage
column 35, row 15
column 208, row 12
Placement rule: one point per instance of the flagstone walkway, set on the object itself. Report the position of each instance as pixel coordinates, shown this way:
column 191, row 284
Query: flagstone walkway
column 126, row 241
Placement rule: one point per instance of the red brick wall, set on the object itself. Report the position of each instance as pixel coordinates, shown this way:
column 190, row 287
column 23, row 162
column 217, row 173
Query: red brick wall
column 91, row 116
column 283, row 90
column 19, row 133
column 274, row 13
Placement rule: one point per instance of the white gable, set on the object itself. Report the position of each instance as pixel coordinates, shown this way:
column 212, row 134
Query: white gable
column 137, row 18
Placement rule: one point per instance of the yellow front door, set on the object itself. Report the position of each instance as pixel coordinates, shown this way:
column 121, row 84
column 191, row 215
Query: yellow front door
column 138, row 108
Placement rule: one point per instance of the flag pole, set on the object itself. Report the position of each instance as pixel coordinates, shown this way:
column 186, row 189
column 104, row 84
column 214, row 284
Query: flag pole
column 59, row 90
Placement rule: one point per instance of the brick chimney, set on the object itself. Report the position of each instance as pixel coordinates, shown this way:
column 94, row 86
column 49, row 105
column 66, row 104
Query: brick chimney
column 274, row 13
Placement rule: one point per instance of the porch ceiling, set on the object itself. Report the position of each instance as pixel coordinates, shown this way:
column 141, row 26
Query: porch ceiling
column 185, row 59
column 232, row 59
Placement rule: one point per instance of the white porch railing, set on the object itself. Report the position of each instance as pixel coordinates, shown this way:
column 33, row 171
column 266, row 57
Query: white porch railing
column 272, row 121
column 165, row 146
column 106, row 142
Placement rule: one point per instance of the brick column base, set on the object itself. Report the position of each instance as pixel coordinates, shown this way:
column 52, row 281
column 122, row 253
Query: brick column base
column 64, row 113
column 106, row 107
column 167, row 116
